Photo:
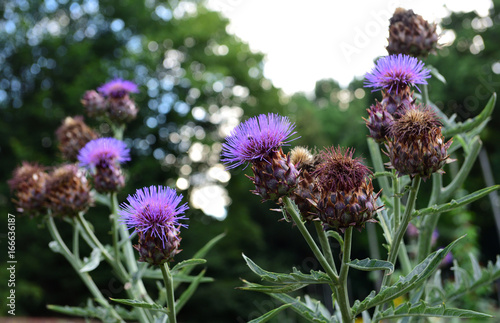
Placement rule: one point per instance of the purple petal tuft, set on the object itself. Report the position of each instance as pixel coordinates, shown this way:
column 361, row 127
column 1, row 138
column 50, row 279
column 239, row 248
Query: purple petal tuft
column 103, row 150
column 255, row 138
column 118, row 88
column 397, row 71
column 154, row 210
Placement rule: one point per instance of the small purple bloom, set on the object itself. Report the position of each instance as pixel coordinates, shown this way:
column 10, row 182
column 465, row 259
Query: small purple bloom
column 396, row 72
column 103, row 151
column 118, row 88
column 253, row 139
column 154, row 210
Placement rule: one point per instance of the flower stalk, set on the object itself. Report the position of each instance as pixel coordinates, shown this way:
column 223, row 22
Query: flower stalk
column 342, row 291
column 290, row 207
column 75, row 263
column 169, row 285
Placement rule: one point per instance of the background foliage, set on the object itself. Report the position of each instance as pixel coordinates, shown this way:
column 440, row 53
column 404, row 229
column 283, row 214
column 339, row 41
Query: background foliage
column 197, row 81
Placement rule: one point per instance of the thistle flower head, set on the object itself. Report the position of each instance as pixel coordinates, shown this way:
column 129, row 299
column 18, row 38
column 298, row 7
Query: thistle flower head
column 411, row 34
column 67, row 191
column 417, row 145
column 28, row 184
column 73, row 135
column 301, row 157
column 103, row 151
column 118, row 88
column 154, row 211
column 396, row 73
column 379, row 122
column 94, row 103
column 346, row 196
column 255, row 138
column 338, row 170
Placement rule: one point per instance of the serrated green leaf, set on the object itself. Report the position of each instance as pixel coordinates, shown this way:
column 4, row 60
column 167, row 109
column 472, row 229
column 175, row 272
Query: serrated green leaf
column 414, row 279
column 178, row 278
column 142, row 304
column 422, row 309
column 368, row 264
column 469, row 124
column 316, row 277
column 91, row 263
column 465, row 283
column 476, row 269
column 186, row 295
column 299, row 307
column 269, row 315
column 282, row 288
column 92, row 311
column 436, row 74
column 453, row 204
column 209, row 245
column 187, row 263
column 74, row 311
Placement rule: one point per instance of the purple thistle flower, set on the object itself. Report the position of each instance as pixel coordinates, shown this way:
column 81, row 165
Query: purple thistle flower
column 397, row 71
column 103, row 151
column 118, row 88
column 254, row 139
column 154, row 211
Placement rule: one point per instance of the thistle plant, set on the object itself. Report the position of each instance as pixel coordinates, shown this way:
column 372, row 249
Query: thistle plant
column 329, row 193
column 65, row 194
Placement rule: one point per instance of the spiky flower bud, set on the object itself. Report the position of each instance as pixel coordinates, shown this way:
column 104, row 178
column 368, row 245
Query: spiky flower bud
column 258, row 141
column 379, row 122
column 67, row 191
column 73, row 135
column 307, row 189
column 28, row 185
column 122, row 110
column 112, row 100
column 394, row 103
column 95, row 104
column 154, row 213
column 347, row 195
column 411, row 34
column 102, row 158
column 417, row 146
column 155, row 251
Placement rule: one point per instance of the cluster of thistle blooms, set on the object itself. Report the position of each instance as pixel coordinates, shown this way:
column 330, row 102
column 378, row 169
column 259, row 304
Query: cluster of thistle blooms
column 410, row 132
column 112, row 101
column 330, row 186
column 154, row 212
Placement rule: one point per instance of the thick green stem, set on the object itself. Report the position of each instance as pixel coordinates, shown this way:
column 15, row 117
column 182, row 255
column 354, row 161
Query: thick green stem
column 114, row 220
column 88, row 231
column 343, row 296
column 397, row 202
column 325, row 245
column 169, row 285
column 410, row 206
column 378, row 165
column 115, row 263
column 75, row 263
column 310, row 241
column 398, row 236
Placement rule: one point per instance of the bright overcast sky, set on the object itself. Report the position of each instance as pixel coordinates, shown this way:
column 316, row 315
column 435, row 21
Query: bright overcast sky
column 308, row 41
